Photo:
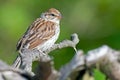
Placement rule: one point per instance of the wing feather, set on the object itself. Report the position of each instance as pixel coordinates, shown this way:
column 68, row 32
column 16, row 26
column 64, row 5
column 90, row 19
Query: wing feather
column 39, row 32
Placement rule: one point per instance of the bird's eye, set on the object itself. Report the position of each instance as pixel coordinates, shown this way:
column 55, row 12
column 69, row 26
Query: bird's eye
column 52, row 14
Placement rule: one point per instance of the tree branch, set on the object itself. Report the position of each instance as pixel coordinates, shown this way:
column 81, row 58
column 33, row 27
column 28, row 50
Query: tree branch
column 104, row 58
column 29, row 56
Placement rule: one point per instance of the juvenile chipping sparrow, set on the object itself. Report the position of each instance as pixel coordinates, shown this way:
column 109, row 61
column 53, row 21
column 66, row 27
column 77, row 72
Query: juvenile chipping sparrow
column 42, row 33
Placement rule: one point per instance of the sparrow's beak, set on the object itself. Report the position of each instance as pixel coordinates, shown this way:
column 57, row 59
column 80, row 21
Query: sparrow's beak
column 42, row 15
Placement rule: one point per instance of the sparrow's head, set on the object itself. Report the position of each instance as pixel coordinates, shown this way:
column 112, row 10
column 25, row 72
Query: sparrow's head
column 52, row 15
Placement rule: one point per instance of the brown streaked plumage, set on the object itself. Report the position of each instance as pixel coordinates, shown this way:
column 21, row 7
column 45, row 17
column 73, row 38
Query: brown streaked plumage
column 38, row 34
column 41, row 34
column 41, row 30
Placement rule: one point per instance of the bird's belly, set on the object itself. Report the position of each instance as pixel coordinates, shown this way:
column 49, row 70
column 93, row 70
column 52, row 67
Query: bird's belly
column 49, row 43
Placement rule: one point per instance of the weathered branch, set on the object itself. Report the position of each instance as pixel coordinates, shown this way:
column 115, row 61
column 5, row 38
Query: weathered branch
column 8, row 73
column 104, row 58
column 29, row 56
column 76, row 64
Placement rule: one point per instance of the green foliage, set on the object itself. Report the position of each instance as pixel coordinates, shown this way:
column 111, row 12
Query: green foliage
column 98, row 75
column 96, row 22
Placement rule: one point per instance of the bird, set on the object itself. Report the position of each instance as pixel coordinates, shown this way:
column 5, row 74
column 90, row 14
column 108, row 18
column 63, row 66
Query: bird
column 41, row 34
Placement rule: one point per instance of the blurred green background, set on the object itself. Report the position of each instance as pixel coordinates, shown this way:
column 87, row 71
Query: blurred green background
column 96, row 21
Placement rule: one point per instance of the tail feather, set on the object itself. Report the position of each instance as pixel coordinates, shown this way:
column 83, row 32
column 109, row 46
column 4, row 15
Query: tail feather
column 17, row 62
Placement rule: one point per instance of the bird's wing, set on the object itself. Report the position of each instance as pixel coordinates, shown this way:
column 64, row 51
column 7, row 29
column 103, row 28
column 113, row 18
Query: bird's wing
column 39, row 32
